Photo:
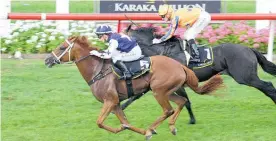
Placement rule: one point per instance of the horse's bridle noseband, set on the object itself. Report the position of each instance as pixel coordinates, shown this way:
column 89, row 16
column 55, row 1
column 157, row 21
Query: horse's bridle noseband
column 101, row 74
column 68, row 49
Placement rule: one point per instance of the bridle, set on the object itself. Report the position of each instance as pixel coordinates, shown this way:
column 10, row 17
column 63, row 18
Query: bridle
column 101, row 74
column 67, row 50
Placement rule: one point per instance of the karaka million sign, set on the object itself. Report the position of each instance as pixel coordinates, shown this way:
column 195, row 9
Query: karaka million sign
column 151, row 6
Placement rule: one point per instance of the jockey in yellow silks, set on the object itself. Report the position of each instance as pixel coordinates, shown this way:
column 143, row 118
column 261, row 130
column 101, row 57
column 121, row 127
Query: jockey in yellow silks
column 193, row 17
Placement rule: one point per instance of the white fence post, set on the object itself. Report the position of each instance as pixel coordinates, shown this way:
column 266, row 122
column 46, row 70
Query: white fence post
column 267, row 6
column 271, row 41
column 96, row 8
column 62, row 7
column 5, row 8
column 263, row 6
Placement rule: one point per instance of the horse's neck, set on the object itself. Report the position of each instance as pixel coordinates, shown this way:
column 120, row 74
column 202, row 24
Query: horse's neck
column 89, row 67
column 151, row 50
column 145, row 41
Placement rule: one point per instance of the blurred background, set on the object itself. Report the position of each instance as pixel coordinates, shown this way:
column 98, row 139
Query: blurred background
column 40, row 104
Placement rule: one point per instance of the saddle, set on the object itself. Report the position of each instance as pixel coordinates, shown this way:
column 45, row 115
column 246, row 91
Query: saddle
column 206, row 58
column 206, row 55
column 137, row 68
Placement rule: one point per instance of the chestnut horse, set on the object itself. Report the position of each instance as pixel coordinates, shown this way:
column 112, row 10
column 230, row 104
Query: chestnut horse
column 163, row 79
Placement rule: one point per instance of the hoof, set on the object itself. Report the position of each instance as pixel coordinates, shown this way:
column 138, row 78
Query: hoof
column 174, row 131
column 192, row 122
column 125, row 126
column 148, row 137
column 154, row 132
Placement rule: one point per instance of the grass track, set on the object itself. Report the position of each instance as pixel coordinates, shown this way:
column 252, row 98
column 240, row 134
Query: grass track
column 40, row 104
column 50, row 6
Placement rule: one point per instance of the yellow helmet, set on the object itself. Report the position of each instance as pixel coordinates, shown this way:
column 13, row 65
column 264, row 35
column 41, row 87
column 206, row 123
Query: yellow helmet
column 165, row 9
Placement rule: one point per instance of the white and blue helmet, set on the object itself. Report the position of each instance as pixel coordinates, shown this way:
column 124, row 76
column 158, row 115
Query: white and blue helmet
column 103, row 29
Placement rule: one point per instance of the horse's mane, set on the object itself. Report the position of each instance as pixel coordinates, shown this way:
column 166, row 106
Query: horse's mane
column 153, row 29
column 146, row 29
column 172, row 38
column 84, row 42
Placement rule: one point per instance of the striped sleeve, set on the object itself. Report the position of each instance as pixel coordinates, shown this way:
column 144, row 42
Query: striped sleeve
column 173, row 27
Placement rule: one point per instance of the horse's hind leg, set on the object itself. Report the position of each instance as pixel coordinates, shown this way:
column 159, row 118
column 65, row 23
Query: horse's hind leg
column 130, row 100
column 180, row 101
column 181, row 91
column 250, row 77
column 266, row 87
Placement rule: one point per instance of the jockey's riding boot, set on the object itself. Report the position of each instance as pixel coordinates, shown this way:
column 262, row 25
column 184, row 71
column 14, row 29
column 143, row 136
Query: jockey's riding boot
column 184, row 42
column 195, row 56
column 123, row 67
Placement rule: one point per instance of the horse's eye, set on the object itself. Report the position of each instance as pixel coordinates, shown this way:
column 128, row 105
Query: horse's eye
column 62, row 48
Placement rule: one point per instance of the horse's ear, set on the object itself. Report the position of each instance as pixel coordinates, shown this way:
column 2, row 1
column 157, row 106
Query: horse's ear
column 84, row 38
column 153, row 29
column 128, row 28
column 71, row 37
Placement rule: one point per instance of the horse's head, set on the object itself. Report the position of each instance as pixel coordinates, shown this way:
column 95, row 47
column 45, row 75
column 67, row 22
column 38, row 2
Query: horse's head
column 143, row 35
column 67, row 51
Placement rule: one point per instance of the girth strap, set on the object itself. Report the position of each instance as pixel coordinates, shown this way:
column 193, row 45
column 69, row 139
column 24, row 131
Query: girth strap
column 130, row 92
column 102, row 74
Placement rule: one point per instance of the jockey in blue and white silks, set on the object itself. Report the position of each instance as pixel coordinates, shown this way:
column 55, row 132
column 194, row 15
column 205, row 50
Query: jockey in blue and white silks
column 121, row 48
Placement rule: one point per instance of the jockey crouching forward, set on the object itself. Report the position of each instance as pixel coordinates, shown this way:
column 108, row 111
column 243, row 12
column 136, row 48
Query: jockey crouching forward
column 121, row 48
column 193, row 17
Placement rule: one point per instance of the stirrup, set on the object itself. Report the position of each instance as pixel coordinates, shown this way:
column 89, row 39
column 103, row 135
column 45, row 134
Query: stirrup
column 124, row 77
column 195, row 59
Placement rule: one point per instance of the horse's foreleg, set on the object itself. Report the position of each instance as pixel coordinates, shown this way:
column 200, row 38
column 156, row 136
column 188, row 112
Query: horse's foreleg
column 180, row 101
column 163, row 100
column 130, row 100
column 107, row 107
column 122, row 117
column 181, row 91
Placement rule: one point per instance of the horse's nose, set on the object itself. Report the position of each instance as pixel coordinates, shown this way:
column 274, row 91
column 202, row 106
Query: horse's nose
column 49, row 66
column 49, row 61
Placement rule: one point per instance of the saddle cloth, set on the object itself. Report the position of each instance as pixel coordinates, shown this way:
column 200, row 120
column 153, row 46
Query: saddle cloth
column 206, row 57
column 137, row 68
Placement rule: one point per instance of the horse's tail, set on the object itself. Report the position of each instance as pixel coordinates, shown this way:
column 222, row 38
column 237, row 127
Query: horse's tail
column 211, row 85
column 267, row 66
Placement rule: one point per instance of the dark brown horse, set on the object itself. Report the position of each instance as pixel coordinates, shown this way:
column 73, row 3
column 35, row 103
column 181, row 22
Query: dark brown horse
column 163, row 79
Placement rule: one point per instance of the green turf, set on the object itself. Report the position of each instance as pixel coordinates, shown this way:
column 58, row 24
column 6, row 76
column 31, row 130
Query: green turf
column 40, row 104
column 50, row 6
column 235, row 6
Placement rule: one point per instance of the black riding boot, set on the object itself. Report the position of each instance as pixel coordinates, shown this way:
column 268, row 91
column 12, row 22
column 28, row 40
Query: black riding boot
column 123, row 68
column 195, row 55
